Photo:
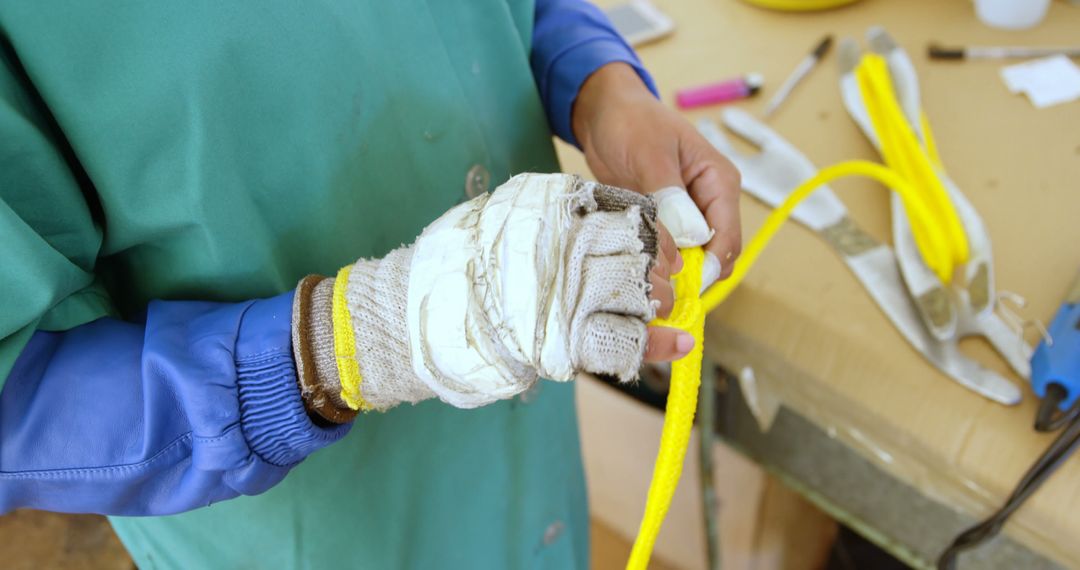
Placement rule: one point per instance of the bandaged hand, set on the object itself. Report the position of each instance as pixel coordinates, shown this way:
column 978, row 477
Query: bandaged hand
column 548, row 276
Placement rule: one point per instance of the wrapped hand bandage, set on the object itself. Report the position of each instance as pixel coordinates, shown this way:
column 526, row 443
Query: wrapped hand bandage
column 545, row 277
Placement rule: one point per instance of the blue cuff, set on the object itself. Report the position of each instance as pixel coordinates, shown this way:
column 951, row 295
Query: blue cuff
column 272, row 415
column 198, row 404
column 569, row 70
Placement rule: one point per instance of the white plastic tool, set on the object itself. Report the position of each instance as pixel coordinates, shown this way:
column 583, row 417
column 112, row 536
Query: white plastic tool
column 774, row 172
column 970, row 305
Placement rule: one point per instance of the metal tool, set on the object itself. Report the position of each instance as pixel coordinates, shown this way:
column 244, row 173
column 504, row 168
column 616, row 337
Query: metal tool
column 1055, row 377
column 801, row 71
column 938, row 51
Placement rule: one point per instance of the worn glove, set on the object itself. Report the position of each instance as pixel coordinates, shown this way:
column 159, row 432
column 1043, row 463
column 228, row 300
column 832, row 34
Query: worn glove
column 779, row 167
column 545, row 277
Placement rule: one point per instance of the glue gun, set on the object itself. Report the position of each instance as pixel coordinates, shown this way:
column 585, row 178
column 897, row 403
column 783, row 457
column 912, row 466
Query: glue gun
column 1055, row 367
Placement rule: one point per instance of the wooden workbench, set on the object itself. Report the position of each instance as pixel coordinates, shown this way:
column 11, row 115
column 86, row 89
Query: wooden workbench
column 818, row 345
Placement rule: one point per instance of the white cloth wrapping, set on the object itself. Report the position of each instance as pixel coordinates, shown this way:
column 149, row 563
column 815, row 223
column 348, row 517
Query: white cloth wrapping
column 547, row 276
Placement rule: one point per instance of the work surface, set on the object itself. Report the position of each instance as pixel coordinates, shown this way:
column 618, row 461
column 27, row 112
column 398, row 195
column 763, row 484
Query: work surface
column 815, row 340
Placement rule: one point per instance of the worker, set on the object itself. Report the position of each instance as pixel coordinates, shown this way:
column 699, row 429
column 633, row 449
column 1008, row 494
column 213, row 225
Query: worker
column 225, row 325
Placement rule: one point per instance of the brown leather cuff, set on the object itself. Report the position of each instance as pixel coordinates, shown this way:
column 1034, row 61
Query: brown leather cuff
column 320, row 389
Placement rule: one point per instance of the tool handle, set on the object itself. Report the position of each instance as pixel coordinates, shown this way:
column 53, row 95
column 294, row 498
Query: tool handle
column 1058, row 361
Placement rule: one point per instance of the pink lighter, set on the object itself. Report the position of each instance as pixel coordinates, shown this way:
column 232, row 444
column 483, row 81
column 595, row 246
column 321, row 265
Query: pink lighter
column 730, row 90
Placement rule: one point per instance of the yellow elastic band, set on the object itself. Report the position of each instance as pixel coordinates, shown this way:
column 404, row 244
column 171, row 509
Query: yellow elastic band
column 689, row 314
column 345, row 345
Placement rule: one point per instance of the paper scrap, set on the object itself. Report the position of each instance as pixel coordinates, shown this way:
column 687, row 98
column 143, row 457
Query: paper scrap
column 1048, row 81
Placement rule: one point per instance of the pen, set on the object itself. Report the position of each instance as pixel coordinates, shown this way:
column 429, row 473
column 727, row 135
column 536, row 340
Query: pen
column 936, row 51
column 801, row 71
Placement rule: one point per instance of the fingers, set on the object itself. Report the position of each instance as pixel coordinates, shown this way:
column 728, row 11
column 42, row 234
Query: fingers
column 611, row 345
column 658, row 171
column 663, row 292
column 707, row 211
column 711, row 269
column 669, row 260
column 612, row 200
column 608, row 328
column 613, row 219
column 615, row 284
column 610, row 233
column 714, row 185
column 667, row 344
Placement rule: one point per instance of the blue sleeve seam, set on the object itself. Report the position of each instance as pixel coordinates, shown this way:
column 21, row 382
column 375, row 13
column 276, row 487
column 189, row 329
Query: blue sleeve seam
column 272, row 352
column 224, row 434
column 60, row 473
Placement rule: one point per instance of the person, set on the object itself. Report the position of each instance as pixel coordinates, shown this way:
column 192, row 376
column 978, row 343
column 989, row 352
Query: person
column 169, row 172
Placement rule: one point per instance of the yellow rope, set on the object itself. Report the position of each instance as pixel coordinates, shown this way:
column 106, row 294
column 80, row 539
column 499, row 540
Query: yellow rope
column 912, row 173
column 916, row 208
column 689, row 314
column 902, row 151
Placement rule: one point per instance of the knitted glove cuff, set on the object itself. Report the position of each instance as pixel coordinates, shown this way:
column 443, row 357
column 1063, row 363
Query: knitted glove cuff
column 313, row 350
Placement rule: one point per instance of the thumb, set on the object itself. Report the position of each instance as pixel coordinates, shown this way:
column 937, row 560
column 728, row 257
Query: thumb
column 687, row 225
column 658, row 174
column 681, row 216
column 661, row 178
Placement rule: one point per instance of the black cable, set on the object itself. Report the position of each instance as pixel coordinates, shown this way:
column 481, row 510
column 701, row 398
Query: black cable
column 1054, row 456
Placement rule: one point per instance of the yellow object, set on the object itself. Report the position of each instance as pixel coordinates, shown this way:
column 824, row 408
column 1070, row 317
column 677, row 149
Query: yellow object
column 345, row 345
column 800, row 5
column 913, row 202
column 689, row 314
column 903, row 152
column 931, row 144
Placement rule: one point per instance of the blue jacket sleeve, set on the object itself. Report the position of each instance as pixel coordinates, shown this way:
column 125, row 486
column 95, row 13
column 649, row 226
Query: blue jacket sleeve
column 197, row 404
column 571, row 40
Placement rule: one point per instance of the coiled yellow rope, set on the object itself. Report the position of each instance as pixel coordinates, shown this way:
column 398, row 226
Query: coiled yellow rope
column 941, row 239
column 689, row 314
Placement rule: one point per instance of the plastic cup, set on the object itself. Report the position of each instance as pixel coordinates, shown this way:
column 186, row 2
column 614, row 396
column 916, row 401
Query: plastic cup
column 1011, row 14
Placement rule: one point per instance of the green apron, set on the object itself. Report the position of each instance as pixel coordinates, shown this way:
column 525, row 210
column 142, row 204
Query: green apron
column 221, row 152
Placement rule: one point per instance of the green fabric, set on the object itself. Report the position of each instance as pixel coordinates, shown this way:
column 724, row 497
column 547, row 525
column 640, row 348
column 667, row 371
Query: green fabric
column 221, row 151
